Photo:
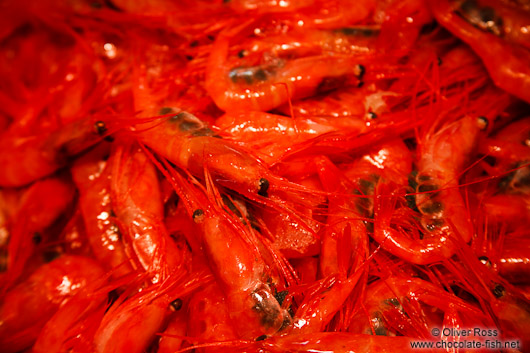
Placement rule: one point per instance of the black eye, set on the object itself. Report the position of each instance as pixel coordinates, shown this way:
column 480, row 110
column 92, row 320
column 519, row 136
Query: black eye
column 263, row 187
column 100, row 127
column 499, row 290
column 485, row 260
column 198, row 215
column 176, row 304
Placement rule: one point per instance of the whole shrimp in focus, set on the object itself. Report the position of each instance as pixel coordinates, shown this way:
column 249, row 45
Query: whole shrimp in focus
column 443, row 155
column 498, row 33
column 29, row 305
column 264, row 86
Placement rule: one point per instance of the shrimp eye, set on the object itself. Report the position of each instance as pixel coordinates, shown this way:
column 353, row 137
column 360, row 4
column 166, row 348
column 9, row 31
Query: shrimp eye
column 372, row 115
column 261, row 338
column 198, row 215
column 483, row 122
column 176, row 304
column 263, row 187
column 485, row 261
column 499, row 291
column 361, row 70
column 100, row 127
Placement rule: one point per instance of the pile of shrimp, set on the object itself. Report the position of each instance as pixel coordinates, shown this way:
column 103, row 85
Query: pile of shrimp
column 264, row 175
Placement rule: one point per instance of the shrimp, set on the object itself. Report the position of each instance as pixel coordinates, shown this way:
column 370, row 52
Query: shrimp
column 42, row 204
column 273, row 135
column 233, row 256
column 511, row 148
column 509, row 309
column 392, row 307
column 28, row 306
column 91, row 174
column 510, row 151
column 26, row 159
column 187, row 142
column 443, row 156
column 365, row 103
column 74, row 324
column 269, row 6
column 141, row 217
column 131, row 325
column 267, row 86
column 493, row 38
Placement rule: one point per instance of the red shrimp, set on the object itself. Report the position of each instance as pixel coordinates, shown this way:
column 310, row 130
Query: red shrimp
column 308, row 13
column 297, row 43
column 131, row 325
column 91, row 174
column 233, row 255
column 327, row 297
column 366, row 103
column 393, row 306
column 46, row 63
column 133, row 176
column 26, row 159
column 510, row 148
column 359, row 178
column 492, row 37
column 73, row 326
column 509, row 309
column 269, row 6
column 442, row 157
column 27, row 307
column 335, row 13
column 273, row 135
column 41, row 205
column 188, row 143
column 266, row 86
